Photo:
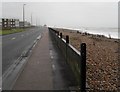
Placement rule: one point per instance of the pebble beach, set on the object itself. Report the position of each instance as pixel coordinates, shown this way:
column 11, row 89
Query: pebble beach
column 102, row 58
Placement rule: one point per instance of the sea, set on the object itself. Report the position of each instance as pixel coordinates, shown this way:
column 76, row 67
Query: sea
column 108, row 32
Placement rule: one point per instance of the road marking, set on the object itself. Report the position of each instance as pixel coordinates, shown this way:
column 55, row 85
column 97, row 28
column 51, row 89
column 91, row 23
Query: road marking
column 51, row 54
column 38, row 37
column 13, row 38
column 22, row 35
column 53, row 66
column 52, row 57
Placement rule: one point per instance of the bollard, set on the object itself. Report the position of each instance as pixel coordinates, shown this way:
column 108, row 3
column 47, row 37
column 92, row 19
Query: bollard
column 67, row 39
column 83, row 68
column 60, row 35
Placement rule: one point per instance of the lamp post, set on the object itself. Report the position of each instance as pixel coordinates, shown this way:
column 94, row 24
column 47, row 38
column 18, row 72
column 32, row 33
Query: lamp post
column 31, row 19
column 24, row 15
column 36, row 21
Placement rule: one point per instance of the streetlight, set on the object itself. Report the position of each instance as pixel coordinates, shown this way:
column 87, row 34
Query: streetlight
column 36, row 21
column 31, row 19
column 23, row 15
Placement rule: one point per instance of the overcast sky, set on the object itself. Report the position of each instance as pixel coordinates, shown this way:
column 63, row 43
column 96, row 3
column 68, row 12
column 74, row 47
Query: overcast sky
column 65, row 14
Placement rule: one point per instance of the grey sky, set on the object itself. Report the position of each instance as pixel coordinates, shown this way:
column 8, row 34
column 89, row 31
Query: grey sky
column 66, row 14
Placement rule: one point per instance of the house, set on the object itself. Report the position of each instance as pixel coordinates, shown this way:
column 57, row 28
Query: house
column 0, row 23
column 6, row 23
column 21, row 24
column 17, row 23
column 24, row 24
column 9, row 23
column 27, row 24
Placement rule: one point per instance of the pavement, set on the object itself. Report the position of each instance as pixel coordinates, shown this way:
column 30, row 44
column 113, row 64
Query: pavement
column 46, row 69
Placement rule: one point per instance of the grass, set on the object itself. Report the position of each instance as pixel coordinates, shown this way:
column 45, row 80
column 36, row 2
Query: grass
column 10, row 31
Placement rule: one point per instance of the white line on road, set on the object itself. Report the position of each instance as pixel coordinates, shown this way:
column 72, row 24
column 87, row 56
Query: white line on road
column 13, row 38
column 53, row 66
column 52, row 57
column 22, row 35
column 51, row 54
column 38, row 37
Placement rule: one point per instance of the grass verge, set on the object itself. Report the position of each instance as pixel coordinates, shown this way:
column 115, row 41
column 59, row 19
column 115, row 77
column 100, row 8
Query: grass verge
column 11, row 31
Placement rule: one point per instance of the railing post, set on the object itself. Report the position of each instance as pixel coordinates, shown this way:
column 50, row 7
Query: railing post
column 67, row 39
column 83, row 68
column 67, row 42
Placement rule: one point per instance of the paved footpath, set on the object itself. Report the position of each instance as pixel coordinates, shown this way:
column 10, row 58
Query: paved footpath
column 37, row 74
column 46, row 68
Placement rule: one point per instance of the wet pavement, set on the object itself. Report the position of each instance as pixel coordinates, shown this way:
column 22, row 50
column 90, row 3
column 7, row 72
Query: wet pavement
column 46, row 69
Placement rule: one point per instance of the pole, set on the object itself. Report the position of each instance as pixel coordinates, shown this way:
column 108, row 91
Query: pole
column 31, row 19
column 36, row 21
column 83, row 68
column 23, row 16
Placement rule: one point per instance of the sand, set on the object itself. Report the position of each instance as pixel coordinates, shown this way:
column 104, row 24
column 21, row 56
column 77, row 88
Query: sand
column 102, row 58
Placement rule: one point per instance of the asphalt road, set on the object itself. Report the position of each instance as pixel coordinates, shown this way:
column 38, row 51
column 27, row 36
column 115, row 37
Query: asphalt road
column 13, row 45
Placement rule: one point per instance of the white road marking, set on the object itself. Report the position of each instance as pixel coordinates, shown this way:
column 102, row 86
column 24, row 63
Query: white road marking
column 53, row 66
column 22, row 35
column 52, row 57
column 13, row 38
column 38, row 37
column 51, row 54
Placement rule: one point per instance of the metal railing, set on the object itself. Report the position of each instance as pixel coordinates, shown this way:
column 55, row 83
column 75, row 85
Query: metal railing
column 76, row 59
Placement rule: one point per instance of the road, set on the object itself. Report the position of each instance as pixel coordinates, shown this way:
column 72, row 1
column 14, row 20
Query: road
column 13, row 45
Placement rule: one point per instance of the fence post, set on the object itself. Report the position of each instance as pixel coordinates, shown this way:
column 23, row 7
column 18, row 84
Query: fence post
column 67, row 42
column 67, row 39
column 83, row 68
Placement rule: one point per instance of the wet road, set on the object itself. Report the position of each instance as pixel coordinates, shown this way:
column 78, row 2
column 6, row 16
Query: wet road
column 14, row 45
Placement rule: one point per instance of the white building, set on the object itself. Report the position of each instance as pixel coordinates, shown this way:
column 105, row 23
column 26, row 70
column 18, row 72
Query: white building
column 24, row 24
column 17, row 23
column 0, row 23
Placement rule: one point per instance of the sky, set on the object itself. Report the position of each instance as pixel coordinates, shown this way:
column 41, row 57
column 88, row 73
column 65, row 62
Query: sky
column 65, row 14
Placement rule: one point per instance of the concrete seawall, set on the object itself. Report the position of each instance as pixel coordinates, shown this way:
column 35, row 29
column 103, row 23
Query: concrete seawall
column 73, row 56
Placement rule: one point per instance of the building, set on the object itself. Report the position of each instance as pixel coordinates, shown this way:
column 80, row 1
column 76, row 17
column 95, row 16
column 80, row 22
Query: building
column 17, row 23
column 13, row 23
column 21, row 24
column 27, row 24
column 0, row 23
column 10, row 23
column 24, row 24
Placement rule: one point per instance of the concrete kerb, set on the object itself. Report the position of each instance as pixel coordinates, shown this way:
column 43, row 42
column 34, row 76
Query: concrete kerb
column 11, row 75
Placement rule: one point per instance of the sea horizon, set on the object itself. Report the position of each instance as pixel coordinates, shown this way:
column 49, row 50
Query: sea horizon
column 106, row 31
